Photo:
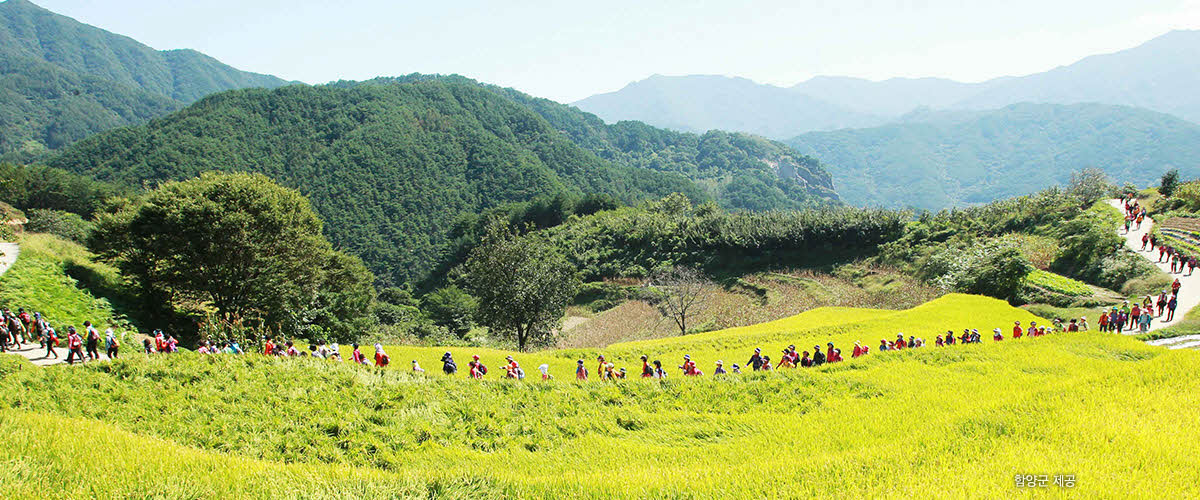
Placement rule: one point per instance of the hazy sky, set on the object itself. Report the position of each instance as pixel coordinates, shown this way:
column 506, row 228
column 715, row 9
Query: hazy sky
column 568, row 50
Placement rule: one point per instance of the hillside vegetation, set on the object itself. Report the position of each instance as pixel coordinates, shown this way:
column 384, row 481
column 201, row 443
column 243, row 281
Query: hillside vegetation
column 390, row 166
column 62, row 80
column 989, row 411
column 946, row 160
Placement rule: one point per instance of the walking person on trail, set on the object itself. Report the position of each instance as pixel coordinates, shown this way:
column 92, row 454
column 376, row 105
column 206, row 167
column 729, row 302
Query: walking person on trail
column 647, row 371
column 381, row 358
column 74, row 346
column 356, row 356
column 720, row 369
column 545, row 369
column 448, row 365
column 756, row 361
column 51, row 342
column 1153, row 241
column 110, row 343
column 580, row 371
column 1162, row 303
column 600, row 370
column 93, row 341
column 805, row 361
column 1134, row 314
column 1175, row 287
column 1175, row 268
column 689, row 366
column 1143, row 323
column 1145, row 240
column 659, row 372
column 1191, row 264
column 949, row 337
column 514, row 368
column 1171, row 305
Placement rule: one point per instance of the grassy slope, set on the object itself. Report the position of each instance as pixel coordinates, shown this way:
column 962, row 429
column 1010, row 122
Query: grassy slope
column 955, row 421
column 39, row 282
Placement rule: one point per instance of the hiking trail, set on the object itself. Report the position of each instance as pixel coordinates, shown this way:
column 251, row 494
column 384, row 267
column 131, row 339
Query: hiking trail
column 1189, row 292
column 34, row 353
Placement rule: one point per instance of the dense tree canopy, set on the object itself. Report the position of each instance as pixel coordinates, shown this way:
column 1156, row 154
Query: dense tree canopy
column 242, row 245
column 388, row 166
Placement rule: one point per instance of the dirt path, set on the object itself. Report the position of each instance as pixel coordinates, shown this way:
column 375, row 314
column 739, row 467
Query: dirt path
column 32, row 352
column 1189, row 292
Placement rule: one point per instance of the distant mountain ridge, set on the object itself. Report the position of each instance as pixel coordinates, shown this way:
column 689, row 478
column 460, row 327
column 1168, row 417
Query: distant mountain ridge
column 1159, row 75
column 62, row 80
column 936, row 160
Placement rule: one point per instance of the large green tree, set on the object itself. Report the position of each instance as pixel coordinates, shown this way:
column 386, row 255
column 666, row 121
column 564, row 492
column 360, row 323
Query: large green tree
column 243, row 245
column 523, row 285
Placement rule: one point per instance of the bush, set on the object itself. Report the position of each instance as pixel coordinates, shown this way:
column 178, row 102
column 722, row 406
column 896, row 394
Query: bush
column 1169, row 182
column 452, row 308
column 1121, row 267
column 59, row 223
column 995, row 269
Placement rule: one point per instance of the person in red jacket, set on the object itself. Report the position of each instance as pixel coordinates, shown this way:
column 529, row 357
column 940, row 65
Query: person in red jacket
column 647, row 370
column 1016, row 334
column 580, row 371
column 858, row 350
column 381, row 358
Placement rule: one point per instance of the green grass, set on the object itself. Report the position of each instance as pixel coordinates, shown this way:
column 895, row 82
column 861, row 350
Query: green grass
column 41, row 280
column 1058, row 284
column 958, row 421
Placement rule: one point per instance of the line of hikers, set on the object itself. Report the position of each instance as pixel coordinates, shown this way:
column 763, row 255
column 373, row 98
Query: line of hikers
column 23, row 327
column 1139, row 316
column 1134, row 213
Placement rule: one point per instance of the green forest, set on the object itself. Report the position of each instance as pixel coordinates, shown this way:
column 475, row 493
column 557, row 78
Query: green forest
column 390, row 166
column 936, row 160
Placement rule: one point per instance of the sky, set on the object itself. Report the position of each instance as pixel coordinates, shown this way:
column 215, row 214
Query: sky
column 567, row 50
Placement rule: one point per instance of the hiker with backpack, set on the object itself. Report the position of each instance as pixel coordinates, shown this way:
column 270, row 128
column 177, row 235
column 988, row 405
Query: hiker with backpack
column 381, row 357
column 1171, row 305
column 647, row 371
column 581, row 372
column 756, row 360
column 514, row 369
column 74, row 346
column 51, row 342
column 449, row 367
column 111, row 346
column 93, row 341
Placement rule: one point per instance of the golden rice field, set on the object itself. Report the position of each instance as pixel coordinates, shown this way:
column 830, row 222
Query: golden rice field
column 957, row 422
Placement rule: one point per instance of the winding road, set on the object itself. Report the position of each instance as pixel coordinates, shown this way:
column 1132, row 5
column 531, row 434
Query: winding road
column 35, row 354
column 1189, row 292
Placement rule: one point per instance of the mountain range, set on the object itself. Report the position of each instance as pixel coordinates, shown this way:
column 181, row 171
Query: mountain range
column 61, row 80
column 1159, row 75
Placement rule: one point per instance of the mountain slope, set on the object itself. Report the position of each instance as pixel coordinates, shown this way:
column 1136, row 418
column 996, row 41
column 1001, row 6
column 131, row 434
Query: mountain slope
column 1159, row 75
column 44, row 106
column 185, row 75
column 699, row 103
column 62, row 80
column 388, row 167
column 961, row 158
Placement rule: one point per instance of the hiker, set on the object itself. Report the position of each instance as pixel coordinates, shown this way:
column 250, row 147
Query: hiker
column 1133, row 315
column 647, row 371
column 949, row 337
column 514, row 368
column 448, row 366
column 818, row 356
column 1103, row 321
column 756, row 361
column 938, row 342
column 1083, row 324
column 580, row 371
column 356, row 356
column 1144, row 323
column 1175, row 286
column 381, row 358
column 785, row 361
column 975, row 336
column 805, row 361
column 883, row 345
column 292, row 352
column 416, row 368
column 689, row 367
column 621, row 373
column 1016, row 331
column 600, row 368
column 1174, row 262
column 766, row 366
column 479, row 365
column 147, row 346
column 1153, row 241
column 74, row 346
column 111, row 345
column 996, row 335
column 720, row 368
column 51, row 342
column 268, row 346
column 1191, row 265
column 1073, row 327
column 912, row 342
column 1162, row 303
column 1171, row 304
column 858, row 349
column 473, row 370
column 1145, row 240
column 545, row 369
column 737, row 370
column 659, row 373
column 93, row 341
column 829, row 357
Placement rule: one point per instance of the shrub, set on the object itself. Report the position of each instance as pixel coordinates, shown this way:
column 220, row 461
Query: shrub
column 452, row 308
column 59, row 223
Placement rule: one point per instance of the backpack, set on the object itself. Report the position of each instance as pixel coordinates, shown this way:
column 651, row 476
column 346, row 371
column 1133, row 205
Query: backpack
column 520, row 373
column 482, row 369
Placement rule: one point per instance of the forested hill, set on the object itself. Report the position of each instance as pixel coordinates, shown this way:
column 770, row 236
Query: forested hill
column 184, row 75
column 388, row 167
column 935, row 160
column 62, row 80
column 740, row 171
